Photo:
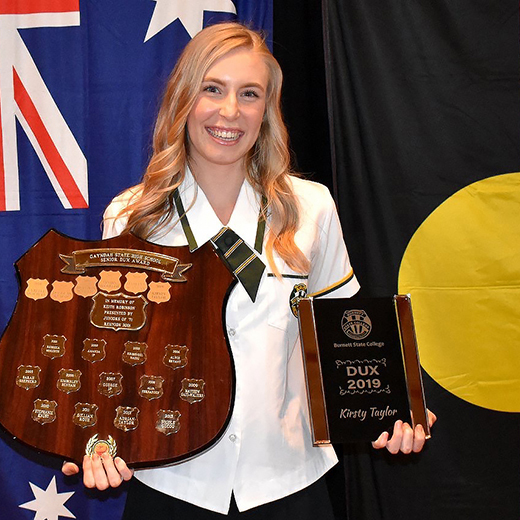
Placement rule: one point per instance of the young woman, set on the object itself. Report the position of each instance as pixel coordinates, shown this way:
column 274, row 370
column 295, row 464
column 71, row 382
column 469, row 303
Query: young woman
column 221, row 159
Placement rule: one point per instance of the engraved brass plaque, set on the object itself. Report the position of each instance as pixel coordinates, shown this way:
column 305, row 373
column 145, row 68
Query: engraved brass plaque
column 135, row 353
column 93, row 350
column 192, row 390
column 28, row 376
column 85, row 414
column 136, row 282
column 44, row 411
column 53, row 346
column 126, row 418
column 151, row 387
column 36, row 289
column 86, row 286
column 176, row 356
column 118, row 311
column 68, row 380
column 168, row 421
column 110, row 384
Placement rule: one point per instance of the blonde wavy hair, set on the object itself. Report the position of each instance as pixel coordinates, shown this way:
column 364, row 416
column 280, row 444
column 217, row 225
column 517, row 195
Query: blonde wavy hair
column 267, row 163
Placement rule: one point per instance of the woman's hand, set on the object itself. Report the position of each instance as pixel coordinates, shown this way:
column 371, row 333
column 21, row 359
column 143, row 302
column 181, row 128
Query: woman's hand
column 404, row 438
column 100, row 472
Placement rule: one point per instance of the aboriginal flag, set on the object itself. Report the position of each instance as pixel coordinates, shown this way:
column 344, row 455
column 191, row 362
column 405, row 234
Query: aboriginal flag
column 424, row 104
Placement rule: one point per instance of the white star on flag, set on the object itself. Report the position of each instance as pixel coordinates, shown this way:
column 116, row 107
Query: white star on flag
column 190, row 13
column 48, row 504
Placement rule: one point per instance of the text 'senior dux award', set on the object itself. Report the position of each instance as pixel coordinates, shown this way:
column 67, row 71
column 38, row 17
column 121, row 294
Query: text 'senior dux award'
column 117, row 345
column 362, row 367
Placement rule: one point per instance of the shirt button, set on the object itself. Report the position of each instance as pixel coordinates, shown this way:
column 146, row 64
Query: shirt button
column 231, row 331
column 232, row 437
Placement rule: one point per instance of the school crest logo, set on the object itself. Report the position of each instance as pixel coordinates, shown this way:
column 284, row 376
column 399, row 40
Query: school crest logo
column 356, row 324
column 299, row 291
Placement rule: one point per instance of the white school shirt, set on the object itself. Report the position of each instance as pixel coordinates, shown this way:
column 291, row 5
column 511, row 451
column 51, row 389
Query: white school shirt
column 266, row 452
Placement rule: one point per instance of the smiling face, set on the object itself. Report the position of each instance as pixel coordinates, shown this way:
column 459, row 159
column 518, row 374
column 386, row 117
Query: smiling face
column 224, row 123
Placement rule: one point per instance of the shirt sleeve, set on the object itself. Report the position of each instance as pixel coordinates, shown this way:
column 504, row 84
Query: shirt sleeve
column 331, row 273
column 113, row 222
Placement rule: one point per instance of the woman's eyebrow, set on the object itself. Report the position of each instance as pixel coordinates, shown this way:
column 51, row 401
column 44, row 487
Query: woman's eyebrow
column 223, row 83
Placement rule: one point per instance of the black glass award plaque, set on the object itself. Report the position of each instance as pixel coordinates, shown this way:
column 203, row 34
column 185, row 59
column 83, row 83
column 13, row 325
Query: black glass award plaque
column 362, row 367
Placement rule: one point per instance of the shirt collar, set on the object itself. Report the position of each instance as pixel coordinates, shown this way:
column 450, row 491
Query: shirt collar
column 203, row 221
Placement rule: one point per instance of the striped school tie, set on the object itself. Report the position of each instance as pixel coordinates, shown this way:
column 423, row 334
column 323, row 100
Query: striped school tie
column 240, row 259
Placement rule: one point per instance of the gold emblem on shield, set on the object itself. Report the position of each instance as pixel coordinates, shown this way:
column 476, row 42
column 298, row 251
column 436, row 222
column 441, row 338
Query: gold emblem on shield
column 136, row 282
column 62, row 291
column 36, row 289
column 159, row 292
column 110, row 281
column 100, row 446
column 86, row 286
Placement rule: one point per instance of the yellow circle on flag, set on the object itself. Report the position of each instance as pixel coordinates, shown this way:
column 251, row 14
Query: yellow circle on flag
column 462, row 269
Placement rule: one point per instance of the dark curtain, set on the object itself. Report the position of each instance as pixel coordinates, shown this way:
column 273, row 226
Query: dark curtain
column 423, row 99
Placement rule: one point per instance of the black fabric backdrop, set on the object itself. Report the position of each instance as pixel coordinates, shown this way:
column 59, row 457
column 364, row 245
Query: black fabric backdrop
column 423, row 99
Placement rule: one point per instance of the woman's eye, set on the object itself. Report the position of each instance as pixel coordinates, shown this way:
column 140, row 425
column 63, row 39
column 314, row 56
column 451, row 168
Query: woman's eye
column 250, row 94
column 211, row 88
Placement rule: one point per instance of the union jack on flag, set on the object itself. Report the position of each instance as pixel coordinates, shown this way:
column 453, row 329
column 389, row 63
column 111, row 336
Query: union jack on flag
column 79, row 88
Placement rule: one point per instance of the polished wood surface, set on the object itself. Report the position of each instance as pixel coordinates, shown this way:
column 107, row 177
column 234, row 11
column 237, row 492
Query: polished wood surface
column 192, row 317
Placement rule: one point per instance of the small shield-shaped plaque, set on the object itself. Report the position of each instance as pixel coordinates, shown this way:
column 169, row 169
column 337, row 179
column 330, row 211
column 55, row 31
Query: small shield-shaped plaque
column 168, row 421
column 159, row 292
column 93, row 350
column 44, row 411
column 86, row 286
column 110, row 281
column 110, row 383
column 68, row 380
column 136, row 282
column 151, row 387
column 62, row 291
column 28, row 376
column 126, row 418
column 192, row 390
column 135, row 353
column 176, row 356
column 36, row 289
column 53, row 346
column 85, row 414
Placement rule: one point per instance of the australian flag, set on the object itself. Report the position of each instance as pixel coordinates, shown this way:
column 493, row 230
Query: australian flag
column 80, row 82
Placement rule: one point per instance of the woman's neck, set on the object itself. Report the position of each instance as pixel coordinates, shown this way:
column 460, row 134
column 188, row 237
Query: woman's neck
column 221, row 187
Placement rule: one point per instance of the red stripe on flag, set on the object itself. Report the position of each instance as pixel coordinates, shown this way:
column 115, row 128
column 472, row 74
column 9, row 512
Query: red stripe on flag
column 58, row 166
column 38, row 6
column 3, row 202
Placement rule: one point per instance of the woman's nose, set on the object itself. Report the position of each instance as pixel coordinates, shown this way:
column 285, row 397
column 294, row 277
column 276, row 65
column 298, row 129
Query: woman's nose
column 229, row 107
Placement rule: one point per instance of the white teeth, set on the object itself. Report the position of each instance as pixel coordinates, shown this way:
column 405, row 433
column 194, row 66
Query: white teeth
column 225, row 135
